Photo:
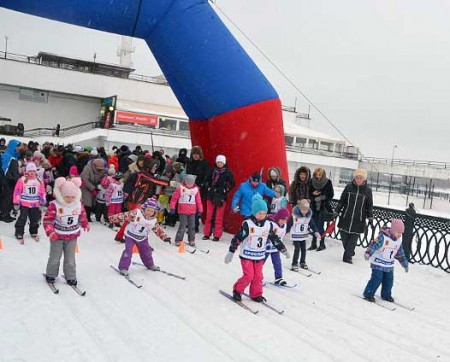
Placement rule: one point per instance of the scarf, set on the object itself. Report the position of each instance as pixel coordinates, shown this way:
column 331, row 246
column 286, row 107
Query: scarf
column 319, row 184
column 216, row 174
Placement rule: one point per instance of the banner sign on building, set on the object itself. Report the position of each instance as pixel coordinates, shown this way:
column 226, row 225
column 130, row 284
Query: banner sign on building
column 138, row 118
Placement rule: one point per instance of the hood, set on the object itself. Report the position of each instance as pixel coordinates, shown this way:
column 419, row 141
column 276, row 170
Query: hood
column 9, row 154
column 296, row 211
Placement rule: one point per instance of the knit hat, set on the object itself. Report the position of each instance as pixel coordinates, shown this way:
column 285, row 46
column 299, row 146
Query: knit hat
column 258, row 204
column 68, row 187
column 118, row 175
column 282, row 214
column 73, row 171
column 360, row 172
column 94, row 153
column 221, row 158
column 189, row 179
column 78, row 149
column 31, row 166
column 151, row 203
column 256, row 176
column 98, row 163
column 397, row 226
column 134, row 158
column 303, row 204
column 281, row 187
column 111, row 170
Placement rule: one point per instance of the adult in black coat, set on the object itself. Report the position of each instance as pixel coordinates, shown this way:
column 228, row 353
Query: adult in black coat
column 410, row 217
column 182, row 156
column 355, row 206
column 300, row 185
column 321, row 192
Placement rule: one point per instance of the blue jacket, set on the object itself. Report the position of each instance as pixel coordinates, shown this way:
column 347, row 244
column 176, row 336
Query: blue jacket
column 244, row 194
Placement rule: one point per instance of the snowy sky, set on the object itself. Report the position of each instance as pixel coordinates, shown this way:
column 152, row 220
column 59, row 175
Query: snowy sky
column 378, row 69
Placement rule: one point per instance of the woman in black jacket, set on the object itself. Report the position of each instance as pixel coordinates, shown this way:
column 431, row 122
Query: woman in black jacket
column 321, row 192
column 218, row 183
column 356, row 205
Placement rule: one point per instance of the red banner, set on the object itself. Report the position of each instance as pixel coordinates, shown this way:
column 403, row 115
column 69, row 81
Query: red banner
column 139, row 118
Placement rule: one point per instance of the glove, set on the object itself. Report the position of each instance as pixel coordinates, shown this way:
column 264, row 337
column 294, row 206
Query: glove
column 94, row 192
column 317, row 235
column 168, row 240
column 87, row 228
column 228, row 257
column 43, row 202
column 172, row 212
column 16, row 207
column 99, row 187
column 53, row 236
column 406, row 269
column 285, row 252
column 366, row 256
column 199, row 214
column 236, row 209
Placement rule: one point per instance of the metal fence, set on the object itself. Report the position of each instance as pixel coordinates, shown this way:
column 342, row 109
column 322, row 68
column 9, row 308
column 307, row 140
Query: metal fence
column 431, row 236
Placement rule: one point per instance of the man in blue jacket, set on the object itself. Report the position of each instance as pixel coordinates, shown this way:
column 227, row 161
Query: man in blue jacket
column 242, row 199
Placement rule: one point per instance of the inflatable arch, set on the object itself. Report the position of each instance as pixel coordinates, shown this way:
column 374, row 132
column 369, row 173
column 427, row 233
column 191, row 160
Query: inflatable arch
column 232, row 108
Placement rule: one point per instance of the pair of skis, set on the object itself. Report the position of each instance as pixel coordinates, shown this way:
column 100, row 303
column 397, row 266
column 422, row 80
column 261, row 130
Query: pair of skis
column 248, row 308
column 306, row 272
column 55, row 290
column 195, row 248
column 387, row 305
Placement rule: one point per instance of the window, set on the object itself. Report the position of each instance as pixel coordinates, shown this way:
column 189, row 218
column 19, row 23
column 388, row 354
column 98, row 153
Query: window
column 300, row 142
column 289, row 140
column 184, row 126
column 167, row 124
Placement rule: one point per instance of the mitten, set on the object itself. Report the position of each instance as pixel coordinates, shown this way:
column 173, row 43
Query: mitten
column 406, row 269
column 199, row 214
column 168, row 240
column 286, row 253
column 317, row 235
column 172, row 211
column 53, row 237
column 43, row 202
column 235, row 209
column 99, row 187
column 94, row 192
column 87, row 228
column 366, row 256
column 228, row 257
column 16, row 207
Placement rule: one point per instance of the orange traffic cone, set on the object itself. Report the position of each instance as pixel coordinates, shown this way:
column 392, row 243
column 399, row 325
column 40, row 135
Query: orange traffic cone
column 181, row 247
column 1, row 244
column 76, row 248
column 135, row 249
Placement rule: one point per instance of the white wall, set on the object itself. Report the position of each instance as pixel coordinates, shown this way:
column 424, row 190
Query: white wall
column 65, row 109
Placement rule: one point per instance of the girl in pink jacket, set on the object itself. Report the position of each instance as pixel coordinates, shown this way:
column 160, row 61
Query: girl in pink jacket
column 29, row 194
column 189, row 204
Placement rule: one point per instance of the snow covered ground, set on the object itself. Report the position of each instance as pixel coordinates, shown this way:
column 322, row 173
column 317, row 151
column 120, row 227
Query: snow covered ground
column 174, row 320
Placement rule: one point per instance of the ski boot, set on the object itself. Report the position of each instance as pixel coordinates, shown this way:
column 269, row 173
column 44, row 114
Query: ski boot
column 35, row 237
column 49, row 279
column 153, row 268
column 19, row 238
column 237, row 296
column 303, row 266
column 389, row 299
column 72, row 282
column 205, row 238
column 259, row 299
column 370, row 299
column 124, row 272
column 294, row 268
column 280, row 281
column 215, row 238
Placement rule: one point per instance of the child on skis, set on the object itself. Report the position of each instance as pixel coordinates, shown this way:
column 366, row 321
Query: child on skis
column 29, row 194
column 253, row 235
column 279, row 201
column 62, row 222
column 114, row 195
column 279, row 221
column 382, row 252
column 189, row 204
column 299, row 225
column 101, row 209
column 140, row 222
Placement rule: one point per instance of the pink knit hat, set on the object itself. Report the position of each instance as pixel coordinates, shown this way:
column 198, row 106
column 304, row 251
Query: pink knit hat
column 397, row 226
column 68, row 187
column 73, row 171
column 282, row 214
column 31, row 166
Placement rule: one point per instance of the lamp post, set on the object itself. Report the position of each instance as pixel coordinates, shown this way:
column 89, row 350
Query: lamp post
column 6, row 45
column 393, row 151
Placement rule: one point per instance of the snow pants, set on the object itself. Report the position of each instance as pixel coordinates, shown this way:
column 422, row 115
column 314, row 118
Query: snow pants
column 101, row 210
column 114, row 209
column 349, row 243
column 34, row 214
column 217, row 212
column 145, row 252
column 299, row 248
column 189, row 221
column 385, row 278
column 57, row 248
column 276, row 262
column 253, row 276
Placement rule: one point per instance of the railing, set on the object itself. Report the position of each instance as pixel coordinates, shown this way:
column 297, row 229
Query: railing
column 64, row 132
column 430, row 243
column 414, row 163
column 315, row 151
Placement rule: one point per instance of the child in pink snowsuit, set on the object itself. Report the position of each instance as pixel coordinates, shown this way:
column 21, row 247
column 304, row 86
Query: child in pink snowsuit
column 114, row 195
column 141, row 222
column 253, row 235
column 29, row 194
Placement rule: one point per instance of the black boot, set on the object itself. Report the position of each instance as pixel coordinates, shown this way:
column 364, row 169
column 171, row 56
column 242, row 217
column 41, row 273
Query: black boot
column 322, row 245
column 237, row 296
column 313, row 244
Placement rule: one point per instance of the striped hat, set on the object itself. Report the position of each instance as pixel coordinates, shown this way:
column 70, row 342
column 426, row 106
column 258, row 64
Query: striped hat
column 151, row 203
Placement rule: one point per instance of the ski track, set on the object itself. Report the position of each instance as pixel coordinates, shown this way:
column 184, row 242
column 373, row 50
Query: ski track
column 116, row 321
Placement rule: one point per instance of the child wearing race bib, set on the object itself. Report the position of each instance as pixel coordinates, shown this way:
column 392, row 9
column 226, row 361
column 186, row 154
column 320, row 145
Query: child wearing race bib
column 101, row 209
column 279, row 221
column 29, row 194
column 253, row 236
column 141, row 222
column 382, row 252
column 187, row 195
column 279, row 201
column 299, row 225
column 63, row 220
column 114, row 195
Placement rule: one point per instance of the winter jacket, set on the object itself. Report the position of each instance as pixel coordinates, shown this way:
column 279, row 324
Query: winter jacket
column 355, row 206
column 300, row 190
column 91, row 178
column 219, row 187
column 189, row 200
column 322, row 201
column 29, row 192
column 270, row 184
column 243, row 196
column 200, row 169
